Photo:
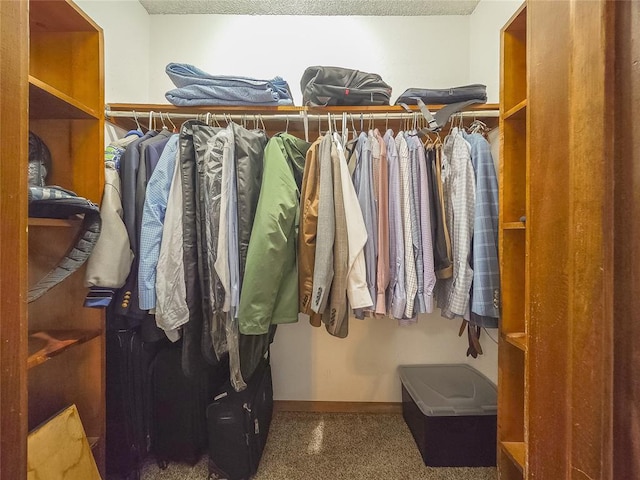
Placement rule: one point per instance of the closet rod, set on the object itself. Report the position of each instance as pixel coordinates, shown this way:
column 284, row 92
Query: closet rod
column 141, row 116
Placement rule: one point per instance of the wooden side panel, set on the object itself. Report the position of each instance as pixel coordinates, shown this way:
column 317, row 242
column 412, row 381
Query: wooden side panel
column 549, row 231
column 14, row 22
column 627, row 247
column 571, row 235
column 591, row 221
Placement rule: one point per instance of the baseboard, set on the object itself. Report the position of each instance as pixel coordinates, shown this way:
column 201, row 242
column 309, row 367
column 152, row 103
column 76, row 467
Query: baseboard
column 336, row 407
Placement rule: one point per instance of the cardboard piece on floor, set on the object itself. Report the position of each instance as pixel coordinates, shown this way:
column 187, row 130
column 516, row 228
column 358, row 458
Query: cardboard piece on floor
column 59, row 450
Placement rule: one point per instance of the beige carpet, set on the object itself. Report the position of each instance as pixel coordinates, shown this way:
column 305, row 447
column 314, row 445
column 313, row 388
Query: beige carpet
column 313, row 446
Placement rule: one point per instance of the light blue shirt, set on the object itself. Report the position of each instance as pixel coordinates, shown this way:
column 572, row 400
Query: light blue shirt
column 486, row 269
column 155, row 207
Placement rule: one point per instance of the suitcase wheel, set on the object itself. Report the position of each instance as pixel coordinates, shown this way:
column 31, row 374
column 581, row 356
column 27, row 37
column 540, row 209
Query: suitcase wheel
column 162, row 464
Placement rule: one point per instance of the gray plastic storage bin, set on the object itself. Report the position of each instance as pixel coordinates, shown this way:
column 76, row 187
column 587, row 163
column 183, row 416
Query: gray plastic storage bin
column 451, row 412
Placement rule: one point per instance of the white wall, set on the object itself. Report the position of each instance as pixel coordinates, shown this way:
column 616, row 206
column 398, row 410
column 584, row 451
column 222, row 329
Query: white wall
column 408, row 52
column 484, row 43
column 126, row 27
column 400, row 49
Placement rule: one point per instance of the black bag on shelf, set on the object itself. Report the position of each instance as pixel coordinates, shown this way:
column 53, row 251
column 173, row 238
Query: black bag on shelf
column 39, row 161
column 327, row 86
column 56, row 202
column 444, row 96
column 238, row 424
column 179, row 406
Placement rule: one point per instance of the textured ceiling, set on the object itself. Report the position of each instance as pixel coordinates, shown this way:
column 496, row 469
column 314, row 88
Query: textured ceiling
column 312, row 7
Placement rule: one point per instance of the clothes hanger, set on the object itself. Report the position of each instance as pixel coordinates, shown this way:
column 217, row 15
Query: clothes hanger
column 164, row 125
column 135, row 117
column 175, row 129
column 151, row 120
column 353, row 126
column 305, row 121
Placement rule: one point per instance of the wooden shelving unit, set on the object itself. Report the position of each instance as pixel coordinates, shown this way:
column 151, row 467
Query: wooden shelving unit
column 514, row 246
column 52, row 349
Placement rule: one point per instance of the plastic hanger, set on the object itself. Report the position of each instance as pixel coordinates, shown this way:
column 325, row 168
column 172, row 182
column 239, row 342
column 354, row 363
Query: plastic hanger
column 150, row 120
column 175, row 129
column 164, row 125
column 135, row 117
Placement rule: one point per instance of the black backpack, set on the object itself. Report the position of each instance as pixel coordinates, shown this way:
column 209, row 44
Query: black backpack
column 326, row 86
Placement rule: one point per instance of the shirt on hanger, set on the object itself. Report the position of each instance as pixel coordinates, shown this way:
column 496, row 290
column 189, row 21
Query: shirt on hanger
column 459, row 193
column 396, row 295
column 411, row 278
column 154, row 211
column 486, row 269
column 323, row 268
column 171, row 292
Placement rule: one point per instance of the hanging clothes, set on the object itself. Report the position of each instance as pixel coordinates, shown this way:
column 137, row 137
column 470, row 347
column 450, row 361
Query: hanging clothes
column 208, row 154
column 416, row 227
column 308, row 230
column 486, row 269
column 192, row 358
column 459, row 194
column 358, row 291
column 442, row 256
column 336, row 318
column 273, row 245
column 111, row 259
column 382, row 199
column 364, row 187
column 323, row 265
column 396, row 294
column 172, row 311
column 411, row 276
column 428, row 270
column 153, row 216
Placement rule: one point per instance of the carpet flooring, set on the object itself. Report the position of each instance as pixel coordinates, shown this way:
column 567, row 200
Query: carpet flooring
column 315, row 446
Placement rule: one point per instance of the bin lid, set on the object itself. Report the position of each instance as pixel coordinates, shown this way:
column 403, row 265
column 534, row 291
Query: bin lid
column 449, row 390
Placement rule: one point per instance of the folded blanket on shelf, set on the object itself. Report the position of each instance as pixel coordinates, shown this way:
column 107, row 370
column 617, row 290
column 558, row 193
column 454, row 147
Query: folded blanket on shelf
column 197, row 88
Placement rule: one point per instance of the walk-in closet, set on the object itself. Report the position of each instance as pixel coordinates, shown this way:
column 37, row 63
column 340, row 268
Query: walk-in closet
column 319, row 240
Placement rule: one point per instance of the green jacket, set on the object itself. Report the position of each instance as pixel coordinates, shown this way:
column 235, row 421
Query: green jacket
column 270, row 284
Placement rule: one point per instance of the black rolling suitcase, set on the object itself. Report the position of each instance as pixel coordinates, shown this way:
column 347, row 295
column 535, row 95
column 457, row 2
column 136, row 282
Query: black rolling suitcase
column 128, row 401
column 179, row 407
column 238, row 424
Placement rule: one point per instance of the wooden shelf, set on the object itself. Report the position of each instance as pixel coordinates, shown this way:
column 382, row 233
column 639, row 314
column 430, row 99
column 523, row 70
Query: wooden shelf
column 518, row 340
column 58, row 16
column 252, row 111
column 53, row 222
column 44, row 345
column 518, row 111
column 145, row 108
column 513, row 226
column 46, row 102
column 516, row 451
